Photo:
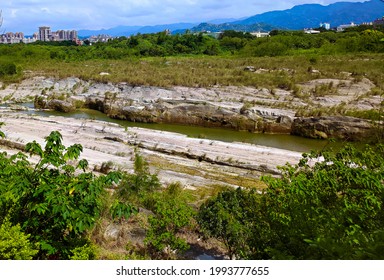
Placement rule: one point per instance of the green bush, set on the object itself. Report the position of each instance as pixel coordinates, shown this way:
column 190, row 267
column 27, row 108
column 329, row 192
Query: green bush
column 53, row 201
column 7, row 69
column 135, row 187
column 228, row 217
column 86, row 252
column 14, row 243
column 172, row 213
column 328, row 206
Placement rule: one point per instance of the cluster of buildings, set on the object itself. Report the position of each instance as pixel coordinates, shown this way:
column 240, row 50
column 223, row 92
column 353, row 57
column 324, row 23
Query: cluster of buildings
column 375, row 23
column 257, row 34
column 378, row 22
column 15, row 38
column 100, row 38
column 341, row 28
column 45, row 34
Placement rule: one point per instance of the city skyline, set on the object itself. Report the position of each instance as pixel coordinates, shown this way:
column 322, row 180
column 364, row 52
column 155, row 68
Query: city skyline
column 44, row 33
column 27, row 16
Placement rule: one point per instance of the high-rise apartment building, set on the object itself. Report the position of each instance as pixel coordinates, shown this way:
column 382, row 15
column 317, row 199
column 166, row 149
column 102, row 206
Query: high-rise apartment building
column 15, row 38
column 66, row 35
column 44, row 33
column 73, row 34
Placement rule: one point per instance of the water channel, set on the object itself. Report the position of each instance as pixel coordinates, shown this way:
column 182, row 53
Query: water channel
column 282, row 141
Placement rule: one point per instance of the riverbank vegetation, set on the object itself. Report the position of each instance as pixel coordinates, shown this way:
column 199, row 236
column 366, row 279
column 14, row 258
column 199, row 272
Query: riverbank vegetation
column 328, row 209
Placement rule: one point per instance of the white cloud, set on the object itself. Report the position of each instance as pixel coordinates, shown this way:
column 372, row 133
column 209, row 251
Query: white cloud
column 27, row 15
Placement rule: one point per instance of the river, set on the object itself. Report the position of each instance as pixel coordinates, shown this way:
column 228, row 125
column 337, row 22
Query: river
column 282, row 141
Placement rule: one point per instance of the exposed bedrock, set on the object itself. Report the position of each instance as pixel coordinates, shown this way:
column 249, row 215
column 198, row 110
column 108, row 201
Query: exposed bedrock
column 346, row 128
column 239, row 108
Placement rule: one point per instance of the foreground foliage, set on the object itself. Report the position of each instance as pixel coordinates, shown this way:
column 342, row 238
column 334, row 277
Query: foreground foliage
column 172, row 214
column 15, row 244
column 169, row 206
column 54, row 202
column 49, row 204
column 228, row 217
column 329, row 206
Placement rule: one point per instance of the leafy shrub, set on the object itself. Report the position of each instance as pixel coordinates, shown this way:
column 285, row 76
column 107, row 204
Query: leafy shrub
column 265, row 48
column 134, row 187
column 171, row 214
column 7, row 69
column 14, row 243
column 121, row 210
column 86, row 252
column 328, row 206
column 53, row 204
column 228, row 217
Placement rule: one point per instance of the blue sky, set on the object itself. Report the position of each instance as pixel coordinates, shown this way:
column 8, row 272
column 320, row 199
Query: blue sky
column 27, row 15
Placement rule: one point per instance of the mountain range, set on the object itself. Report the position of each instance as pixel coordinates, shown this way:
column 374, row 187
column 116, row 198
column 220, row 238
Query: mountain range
column 311, row 15
column 296, row 18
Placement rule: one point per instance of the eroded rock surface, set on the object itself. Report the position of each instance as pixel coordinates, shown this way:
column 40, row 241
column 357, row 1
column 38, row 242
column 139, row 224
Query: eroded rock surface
column 176, row 157
column 346, row 128
column 238, row 108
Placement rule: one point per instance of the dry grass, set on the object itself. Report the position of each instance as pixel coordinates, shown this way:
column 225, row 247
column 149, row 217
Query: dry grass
column 200, row 71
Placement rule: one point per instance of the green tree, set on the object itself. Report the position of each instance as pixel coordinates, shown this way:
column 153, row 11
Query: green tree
column 54, row 203
column 235, row 34
column 329, row 206
column 211, row 46
column 232, row 43
column 171, row 214
column 135, row 187
column 230, row 216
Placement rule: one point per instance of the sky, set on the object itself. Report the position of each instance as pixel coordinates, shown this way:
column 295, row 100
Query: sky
column 27, row 15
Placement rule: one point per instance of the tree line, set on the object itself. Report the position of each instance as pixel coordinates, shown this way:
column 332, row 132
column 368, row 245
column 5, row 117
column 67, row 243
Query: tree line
column 228, row 43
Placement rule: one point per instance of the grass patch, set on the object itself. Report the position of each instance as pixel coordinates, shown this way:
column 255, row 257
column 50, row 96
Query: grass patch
column 207, row 71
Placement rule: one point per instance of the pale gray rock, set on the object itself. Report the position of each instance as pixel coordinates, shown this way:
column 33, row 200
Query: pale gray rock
column 112, row 232
column 60, row 106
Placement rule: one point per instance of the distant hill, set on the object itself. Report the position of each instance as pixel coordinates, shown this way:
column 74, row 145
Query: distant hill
column 297, row 18
column 311, row 15
column 115, row 31
column 224, row 20
column 262, row 27
column 131, row 30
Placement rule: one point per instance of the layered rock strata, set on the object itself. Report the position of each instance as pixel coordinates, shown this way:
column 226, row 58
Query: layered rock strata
column 238, row 108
